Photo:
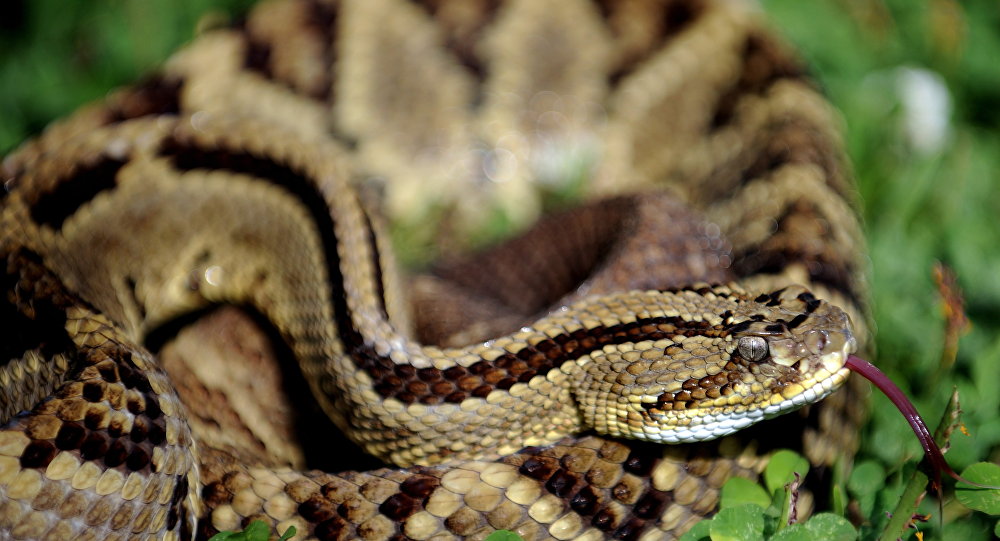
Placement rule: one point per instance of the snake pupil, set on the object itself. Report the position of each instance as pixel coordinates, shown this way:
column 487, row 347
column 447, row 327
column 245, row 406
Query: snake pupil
column 752, row 348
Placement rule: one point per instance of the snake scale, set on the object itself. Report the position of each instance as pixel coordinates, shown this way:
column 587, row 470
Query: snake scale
column 230, row 177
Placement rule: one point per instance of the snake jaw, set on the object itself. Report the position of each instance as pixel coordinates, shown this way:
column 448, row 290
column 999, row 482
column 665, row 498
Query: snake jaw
column 711, row 422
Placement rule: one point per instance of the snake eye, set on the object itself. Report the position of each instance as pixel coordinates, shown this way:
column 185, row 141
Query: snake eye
column 752, row 348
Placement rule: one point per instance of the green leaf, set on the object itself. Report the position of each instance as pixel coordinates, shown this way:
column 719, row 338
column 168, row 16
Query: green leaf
column 739, row 491
column 743, row 523
column 867, row 478
column 699, row 532
column 826, row 526
column 780, row 470
column 257, row 530
column 980, row 499
column 838, row 499
column 996, row 529
column 289, row 533
column 503, row 535
column 831, row 527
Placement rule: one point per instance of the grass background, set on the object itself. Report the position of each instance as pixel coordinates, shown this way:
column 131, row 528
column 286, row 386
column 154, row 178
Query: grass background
column 922, row 202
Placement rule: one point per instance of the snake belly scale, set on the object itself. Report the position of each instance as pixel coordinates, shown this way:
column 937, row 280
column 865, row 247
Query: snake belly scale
column 562, row 361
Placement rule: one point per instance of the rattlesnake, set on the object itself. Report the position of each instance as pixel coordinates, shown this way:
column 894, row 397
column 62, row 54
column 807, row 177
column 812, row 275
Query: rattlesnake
column 227, row 178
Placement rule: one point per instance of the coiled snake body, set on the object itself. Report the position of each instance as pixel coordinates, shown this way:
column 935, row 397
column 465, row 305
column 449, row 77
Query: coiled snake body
column 228, row 178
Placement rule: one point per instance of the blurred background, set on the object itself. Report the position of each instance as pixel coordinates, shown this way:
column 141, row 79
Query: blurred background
column 918, row 84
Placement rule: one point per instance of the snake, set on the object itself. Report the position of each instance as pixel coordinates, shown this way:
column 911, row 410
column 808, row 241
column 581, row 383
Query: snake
column 601, row 375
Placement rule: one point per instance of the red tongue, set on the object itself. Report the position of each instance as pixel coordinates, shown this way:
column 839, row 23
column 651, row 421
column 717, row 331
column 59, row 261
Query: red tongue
column 931, row 450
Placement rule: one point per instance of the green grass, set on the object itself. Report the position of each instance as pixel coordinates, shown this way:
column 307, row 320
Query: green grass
column 919, row 206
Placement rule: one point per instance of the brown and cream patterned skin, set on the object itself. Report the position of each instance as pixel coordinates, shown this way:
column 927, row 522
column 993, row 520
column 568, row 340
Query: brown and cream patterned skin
column 229, row 178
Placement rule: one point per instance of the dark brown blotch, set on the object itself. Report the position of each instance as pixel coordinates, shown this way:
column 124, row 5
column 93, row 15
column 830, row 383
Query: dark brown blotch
column 443, row 388
column 585, row 502
column 630, row 530
column 480, row 368
column 623, row 493
column 108, row 371
column 257, row 57
column 93, row 391
column 775, row 328
column 177, row 511
column 429, row 374
column 454, row 373
column 639, row 464
column 137, row 459
column 331, row 529
column 812, row 303
column 604, row 520
column 458, row 383
column 70, row 436
column 494, row 376
column 94, row 446
column 180, row 489
column 215, row 494
column 797, row 320
column 152, row 406
column 419, row 486
column 156, row 95
column 88, row 179
column 418, row 388
column 467, row 383
column 140, row 429
column 134, row 405
column 764, row 62
column 135, row 379
column 538, row 468
column 561, row 483
column 38, row 454
column 526, row 376
column 116, row 428
column 399, row 507
column 317, row 509
column 157, row 433
column 405, row 371
column 651, row 504
column 116, row 454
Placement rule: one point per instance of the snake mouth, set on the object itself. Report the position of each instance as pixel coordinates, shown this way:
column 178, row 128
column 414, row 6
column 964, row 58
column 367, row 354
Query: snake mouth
column 712, row 421
column 794, row 397
column 818, row 374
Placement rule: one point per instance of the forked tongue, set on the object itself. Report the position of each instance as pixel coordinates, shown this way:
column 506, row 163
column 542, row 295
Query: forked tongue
column 931, row 450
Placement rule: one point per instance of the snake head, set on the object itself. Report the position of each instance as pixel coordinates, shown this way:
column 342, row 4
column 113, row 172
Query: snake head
column 792, row 335
column 739, row 360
